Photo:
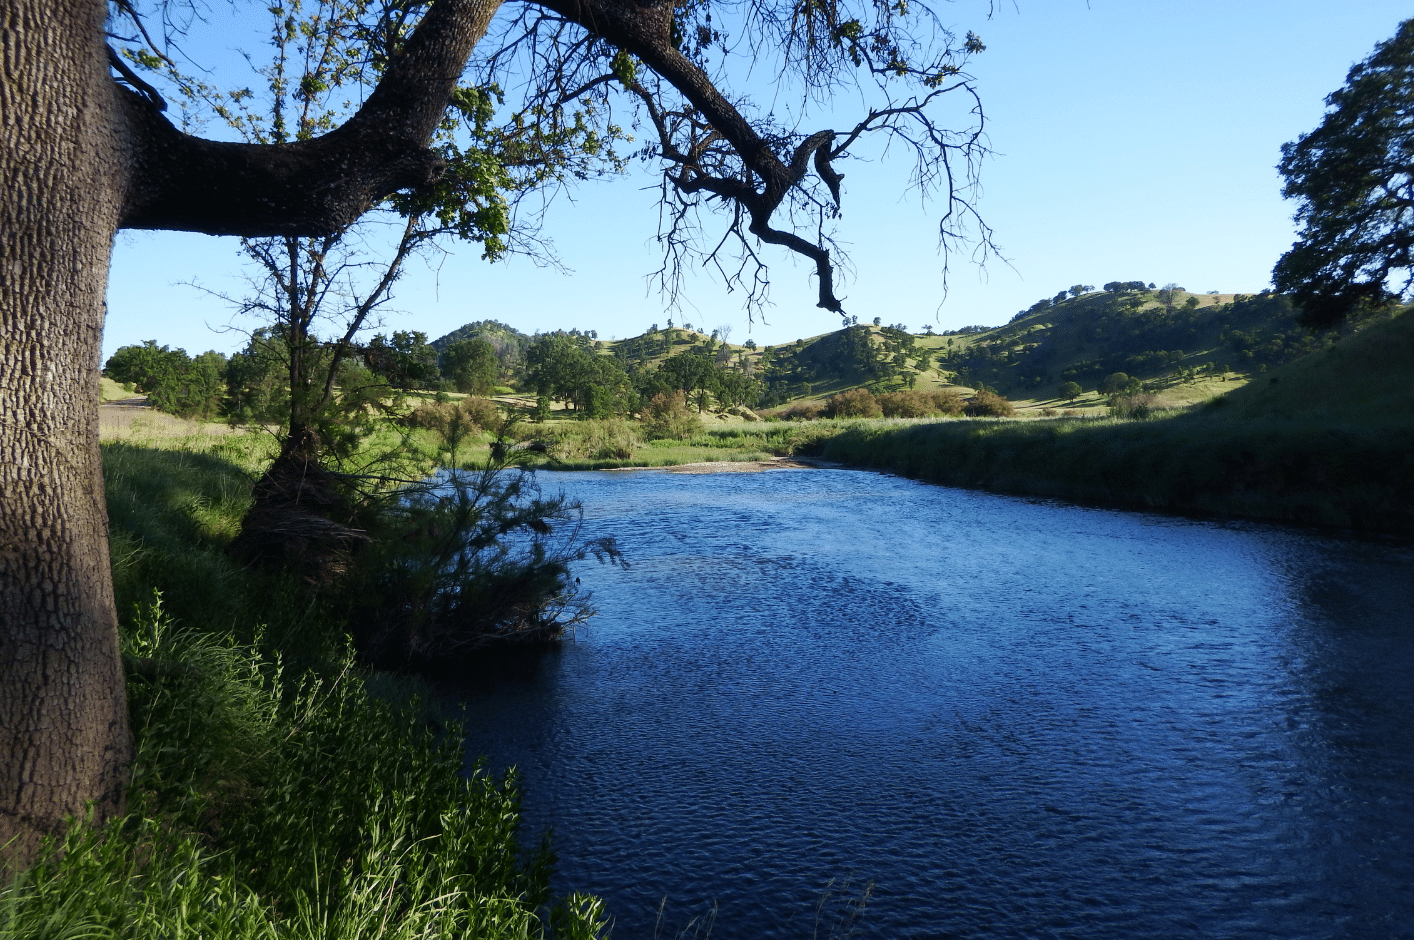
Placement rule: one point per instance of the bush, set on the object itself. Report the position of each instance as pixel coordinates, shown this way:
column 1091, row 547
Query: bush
column 667, row 417
column 947, row 401
column 987, row 404
column 596, row 439
column 915, row 404
column 799, row 411
column 908, row 404
column 855, row 403
column 476, row 559
column 1136, row 405
column 444, row 417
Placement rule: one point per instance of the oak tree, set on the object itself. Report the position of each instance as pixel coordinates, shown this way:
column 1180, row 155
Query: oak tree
column 85, row 153
column 1353, row 180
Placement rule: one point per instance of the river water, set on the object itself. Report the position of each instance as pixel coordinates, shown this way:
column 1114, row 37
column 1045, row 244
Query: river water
column 1013, row 718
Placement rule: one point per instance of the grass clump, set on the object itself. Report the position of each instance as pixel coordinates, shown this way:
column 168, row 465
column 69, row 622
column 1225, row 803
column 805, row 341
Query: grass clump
column 266, row 805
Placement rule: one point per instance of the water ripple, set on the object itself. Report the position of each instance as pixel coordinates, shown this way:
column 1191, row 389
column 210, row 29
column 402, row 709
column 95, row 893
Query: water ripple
column 1017, row 719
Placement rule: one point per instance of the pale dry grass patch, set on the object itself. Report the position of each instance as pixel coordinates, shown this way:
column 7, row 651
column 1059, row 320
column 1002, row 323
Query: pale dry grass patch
column 136, row 421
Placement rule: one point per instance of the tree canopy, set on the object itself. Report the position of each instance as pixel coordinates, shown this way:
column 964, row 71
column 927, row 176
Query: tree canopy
column 1353, row 178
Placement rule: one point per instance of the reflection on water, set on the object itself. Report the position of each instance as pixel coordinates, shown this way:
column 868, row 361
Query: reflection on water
column 1017, row 719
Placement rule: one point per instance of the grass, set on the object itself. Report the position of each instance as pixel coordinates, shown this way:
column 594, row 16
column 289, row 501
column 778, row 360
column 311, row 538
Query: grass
column 268, row 806
column 1327, row 440
column 273, row 795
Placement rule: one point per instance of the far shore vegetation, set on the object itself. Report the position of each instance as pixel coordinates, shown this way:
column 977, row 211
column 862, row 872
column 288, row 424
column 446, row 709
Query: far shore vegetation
column 1275, row 422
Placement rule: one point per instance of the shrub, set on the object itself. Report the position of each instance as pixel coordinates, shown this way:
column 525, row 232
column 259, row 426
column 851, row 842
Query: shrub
column 947, row 401
column 442, row 417
column 666, row 416
column 855, row 403
column 987, row 404
column 909, row 404
column 800, row 411
column 478, row 558
column 1136, row 405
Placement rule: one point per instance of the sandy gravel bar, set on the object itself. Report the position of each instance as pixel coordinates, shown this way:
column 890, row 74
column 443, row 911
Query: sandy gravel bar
column 735, row 466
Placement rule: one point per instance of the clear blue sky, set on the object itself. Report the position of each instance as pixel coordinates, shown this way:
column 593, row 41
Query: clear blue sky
column 1135, row 140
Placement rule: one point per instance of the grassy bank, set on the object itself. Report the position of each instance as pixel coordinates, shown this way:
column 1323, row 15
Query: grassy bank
column 1328, row 440
column 273, row 794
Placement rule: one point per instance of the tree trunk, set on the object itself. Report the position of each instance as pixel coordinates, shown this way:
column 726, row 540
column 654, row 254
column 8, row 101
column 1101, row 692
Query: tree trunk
column 64, row 738
column 79, row 158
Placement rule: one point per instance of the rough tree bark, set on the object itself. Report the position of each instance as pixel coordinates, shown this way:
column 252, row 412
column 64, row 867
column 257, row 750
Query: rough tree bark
column 63, row 721
column 82, row 157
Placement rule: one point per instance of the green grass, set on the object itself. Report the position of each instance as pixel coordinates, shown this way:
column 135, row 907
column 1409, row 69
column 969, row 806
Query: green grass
column 273, row 794
column 264, row 805
column 1327, row 440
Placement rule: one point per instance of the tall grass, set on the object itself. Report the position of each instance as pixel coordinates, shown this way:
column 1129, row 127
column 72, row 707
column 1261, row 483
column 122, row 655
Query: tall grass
column 267, row 805
column 272, row 795
column 1327, row 440
column 1296, row 472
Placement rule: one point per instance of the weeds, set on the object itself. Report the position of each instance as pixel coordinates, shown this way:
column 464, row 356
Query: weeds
column 268, row 805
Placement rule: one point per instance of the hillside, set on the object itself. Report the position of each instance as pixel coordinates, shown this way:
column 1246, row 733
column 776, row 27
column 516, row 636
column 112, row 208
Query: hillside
column 1328, row 439
column 1360, row 379
column 1183, row 347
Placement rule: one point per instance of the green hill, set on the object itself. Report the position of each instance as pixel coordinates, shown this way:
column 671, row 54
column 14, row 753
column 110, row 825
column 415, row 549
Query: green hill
column 1180, row 345
column 1161, row 338
column 1367, row 378
column 1327, row 439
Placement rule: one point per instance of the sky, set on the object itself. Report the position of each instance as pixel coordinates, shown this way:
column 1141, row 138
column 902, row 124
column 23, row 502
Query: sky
column 1132, row 140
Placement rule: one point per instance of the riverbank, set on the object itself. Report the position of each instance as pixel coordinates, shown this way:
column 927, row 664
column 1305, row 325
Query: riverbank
column 1311, row 475
column 279, row 789
column 1327, row 440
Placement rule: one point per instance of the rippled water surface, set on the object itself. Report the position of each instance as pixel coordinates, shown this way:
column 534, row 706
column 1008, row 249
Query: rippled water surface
column 1016, row 719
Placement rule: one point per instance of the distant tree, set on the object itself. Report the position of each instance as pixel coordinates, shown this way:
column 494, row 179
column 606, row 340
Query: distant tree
column 174, row 382
column 878, row 321
column 406, row 361
column 1117, row 383
column 1352, row 182
column 751, row 344
column 1078, row 289
column 144, row 365
column 196, row 390
column 471, row 365
column 1070, row 391
column 1168, row 294
column 1058, row 298
column 855, row 403
column 667, row 416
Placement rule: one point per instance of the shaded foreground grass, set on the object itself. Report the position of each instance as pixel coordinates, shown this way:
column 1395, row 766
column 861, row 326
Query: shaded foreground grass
column 272, row 794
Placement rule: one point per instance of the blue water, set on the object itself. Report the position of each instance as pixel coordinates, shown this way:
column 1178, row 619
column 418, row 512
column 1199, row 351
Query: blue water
column 1012, row 718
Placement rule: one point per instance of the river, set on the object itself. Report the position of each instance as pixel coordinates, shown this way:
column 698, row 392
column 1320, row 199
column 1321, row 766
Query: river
column 1003, row 718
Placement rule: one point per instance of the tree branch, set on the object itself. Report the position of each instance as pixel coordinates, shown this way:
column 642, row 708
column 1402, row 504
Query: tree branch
column 310, row 187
